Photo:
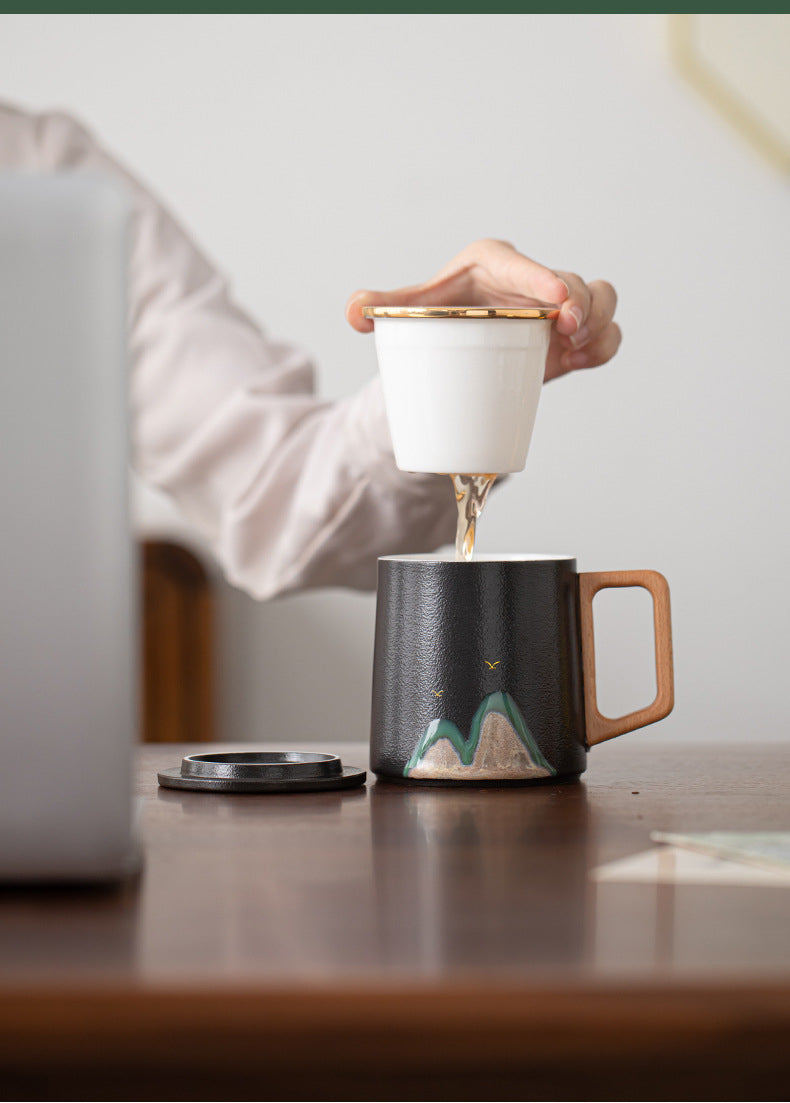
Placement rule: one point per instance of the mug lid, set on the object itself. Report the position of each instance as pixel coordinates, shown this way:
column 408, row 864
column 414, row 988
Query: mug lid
column 261, row 772
column 539, row 310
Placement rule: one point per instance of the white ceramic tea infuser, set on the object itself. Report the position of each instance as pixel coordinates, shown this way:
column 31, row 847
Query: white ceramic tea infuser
column 461, row 384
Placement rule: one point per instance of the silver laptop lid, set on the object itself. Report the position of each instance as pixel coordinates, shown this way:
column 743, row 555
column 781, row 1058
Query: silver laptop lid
column 68, row 701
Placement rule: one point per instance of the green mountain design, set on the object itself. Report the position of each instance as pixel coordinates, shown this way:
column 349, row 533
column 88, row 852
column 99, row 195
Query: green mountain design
column 466, row 749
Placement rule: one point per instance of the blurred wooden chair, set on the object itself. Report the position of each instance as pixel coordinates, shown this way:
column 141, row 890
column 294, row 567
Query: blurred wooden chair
column 177, row 635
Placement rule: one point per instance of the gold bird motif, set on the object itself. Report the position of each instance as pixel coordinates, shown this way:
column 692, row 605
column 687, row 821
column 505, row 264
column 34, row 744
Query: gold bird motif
column 492, row 665
column 437, row 693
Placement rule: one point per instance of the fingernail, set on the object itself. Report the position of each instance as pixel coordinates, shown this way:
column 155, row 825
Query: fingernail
column 577, row 314
column 580, row 337
column 567, row 289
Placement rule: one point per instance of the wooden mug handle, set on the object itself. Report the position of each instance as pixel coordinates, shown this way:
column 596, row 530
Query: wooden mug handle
column 600, row 728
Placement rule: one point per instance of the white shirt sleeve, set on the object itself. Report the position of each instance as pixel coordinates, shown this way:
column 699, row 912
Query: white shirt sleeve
column 289, row 491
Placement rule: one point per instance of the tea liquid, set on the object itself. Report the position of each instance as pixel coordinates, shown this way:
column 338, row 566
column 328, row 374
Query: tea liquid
column 471, row 492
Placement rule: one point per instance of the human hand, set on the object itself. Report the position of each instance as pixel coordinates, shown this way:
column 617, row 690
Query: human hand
column 493, row 273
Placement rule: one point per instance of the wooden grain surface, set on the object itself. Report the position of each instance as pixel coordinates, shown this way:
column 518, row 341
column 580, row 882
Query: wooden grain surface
column 394, row 943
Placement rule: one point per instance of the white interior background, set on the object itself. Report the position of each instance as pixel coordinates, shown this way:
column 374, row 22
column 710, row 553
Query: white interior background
column 311, row 155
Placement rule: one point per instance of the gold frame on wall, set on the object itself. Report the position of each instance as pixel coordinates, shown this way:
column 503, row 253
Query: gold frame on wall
column 725, row 98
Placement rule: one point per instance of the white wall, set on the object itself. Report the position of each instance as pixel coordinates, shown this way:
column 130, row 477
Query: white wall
column 315, row 154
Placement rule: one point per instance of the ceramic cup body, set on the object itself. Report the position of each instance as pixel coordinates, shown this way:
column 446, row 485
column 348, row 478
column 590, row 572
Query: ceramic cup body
column 461, row 394
column 479, row 669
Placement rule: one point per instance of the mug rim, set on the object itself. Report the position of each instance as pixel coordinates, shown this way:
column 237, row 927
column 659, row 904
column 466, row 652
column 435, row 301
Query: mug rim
column 482, row 557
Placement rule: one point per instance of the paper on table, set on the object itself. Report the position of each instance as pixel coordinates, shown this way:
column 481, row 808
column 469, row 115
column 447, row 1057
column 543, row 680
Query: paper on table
column 671, row 865
column 768, row 849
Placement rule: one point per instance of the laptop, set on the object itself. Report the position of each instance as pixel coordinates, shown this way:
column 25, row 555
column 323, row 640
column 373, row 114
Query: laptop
column 68, row 601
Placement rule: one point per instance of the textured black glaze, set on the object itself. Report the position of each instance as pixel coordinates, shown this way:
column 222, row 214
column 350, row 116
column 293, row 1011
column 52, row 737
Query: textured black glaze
column 439, row 624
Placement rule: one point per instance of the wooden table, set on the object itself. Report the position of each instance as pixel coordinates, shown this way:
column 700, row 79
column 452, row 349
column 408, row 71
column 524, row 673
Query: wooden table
column 397, row 943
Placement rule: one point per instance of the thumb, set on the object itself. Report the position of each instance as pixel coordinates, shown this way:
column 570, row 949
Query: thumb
column 405, row 296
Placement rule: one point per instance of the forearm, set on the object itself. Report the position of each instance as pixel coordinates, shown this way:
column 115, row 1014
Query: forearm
column 289, row 491
column 317, row 504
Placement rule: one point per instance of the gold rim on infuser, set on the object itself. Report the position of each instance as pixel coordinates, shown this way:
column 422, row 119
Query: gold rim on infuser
column 542, row 310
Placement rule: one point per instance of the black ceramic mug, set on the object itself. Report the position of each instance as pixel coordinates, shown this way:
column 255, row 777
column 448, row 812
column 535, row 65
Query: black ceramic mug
column 485, row 671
